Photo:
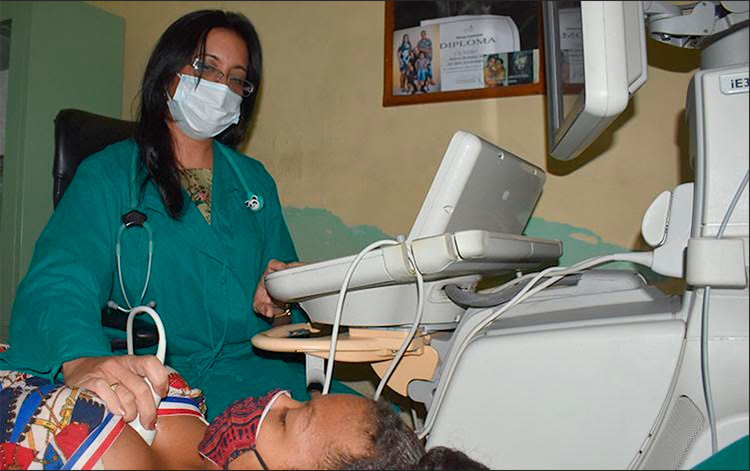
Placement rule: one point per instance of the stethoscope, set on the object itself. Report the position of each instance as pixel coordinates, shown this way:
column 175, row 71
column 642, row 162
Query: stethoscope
column 135, row 218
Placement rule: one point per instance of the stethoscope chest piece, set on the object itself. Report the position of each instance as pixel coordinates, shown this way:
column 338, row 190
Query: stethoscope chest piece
column 255, row 203
column 137, row 218
column 134, row 218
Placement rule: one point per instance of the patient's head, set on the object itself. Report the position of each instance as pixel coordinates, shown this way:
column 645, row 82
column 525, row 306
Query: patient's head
column 328, row 432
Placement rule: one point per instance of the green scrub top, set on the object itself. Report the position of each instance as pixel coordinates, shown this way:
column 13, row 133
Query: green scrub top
column 203, row 278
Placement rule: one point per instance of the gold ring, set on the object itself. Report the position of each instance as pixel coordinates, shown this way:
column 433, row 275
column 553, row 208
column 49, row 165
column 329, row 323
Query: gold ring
column 114, row 386
column 287, row 312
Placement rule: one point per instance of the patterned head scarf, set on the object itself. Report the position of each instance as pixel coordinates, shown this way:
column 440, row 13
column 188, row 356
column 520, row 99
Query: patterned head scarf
column 235, row 431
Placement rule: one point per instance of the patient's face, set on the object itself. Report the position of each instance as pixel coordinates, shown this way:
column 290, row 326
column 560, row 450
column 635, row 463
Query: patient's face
column 300, row 434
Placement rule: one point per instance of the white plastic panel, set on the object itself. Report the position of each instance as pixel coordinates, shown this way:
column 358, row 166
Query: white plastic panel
column 319, row 278
column 614, row 51
column 390, row 305
column 583, row 397
column 479, row 186
column 437, row 257
column 635, row 44
column 722, row 151
column 718, row 263
column 729, row 371
column 491, row 247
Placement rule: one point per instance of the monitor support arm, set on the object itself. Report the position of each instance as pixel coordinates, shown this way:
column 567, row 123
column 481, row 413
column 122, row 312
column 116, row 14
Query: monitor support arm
column 694, row 25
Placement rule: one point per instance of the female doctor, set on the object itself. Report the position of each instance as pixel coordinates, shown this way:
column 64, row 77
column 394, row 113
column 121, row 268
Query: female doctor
column 214, row 219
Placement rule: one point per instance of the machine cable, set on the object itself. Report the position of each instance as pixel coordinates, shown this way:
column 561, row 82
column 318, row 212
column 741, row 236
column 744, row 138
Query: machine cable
column 468, row 299
column 340, row 309
column 704, row 324
column 412, row 332
column 529, row 289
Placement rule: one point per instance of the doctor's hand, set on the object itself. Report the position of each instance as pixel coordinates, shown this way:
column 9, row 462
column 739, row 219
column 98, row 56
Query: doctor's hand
column 119, row 382
column 263, row 303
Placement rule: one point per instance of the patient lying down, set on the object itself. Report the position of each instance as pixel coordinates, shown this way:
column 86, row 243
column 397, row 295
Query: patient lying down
column 71, row 427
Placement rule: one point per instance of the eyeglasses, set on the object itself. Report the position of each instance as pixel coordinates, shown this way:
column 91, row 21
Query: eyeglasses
column 238, row 85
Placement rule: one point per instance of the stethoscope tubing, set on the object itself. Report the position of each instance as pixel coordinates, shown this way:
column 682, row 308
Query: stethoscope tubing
column 254, row 203
column 118, row 256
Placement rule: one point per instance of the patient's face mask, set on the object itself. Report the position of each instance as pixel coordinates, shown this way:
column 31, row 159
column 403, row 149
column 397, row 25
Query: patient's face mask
column 236, row 430
column 203, row 109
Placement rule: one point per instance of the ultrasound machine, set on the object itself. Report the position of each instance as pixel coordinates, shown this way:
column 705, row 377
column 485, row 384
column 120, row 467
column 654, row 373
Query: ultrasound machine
column 562, row 367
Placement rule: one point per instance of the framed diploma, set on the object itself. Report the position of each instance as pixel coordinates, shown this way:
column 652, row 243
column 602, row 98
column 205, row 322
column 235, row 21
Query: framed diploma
column 459, row 50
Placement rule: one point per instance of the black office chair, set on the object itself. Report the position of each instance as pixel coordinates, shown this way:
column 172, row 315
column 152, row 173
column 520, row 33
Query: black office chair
column 79, row 134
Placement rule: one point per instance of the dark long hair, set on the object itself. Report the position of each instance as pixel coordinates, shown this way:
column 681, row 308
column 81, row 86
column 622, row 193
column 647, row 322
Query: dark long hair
column 177, row 47
column 393, row 445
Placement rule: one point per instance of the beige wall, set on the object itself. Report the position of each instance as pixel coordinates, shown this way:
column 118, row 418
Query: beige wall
column 323, row 133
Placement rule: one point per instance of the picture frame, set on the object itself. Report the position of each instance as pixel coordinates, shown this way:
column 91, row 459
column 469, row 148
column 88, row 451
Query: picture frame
column 476, row 49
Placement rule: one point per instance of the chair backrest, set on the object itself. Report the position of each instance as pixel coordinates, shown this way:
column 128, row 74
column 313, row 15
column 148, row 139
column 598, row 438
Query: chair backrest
column 79, row 134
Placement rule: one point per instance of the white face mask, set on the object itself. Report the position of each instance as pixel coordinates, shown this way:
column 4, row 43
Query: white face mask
column 203, row 109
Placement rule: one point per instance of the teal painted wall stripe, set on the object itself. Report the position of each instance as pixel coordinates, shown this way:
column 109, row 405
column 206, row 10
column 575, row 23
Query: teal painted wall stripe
column 321, row 235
